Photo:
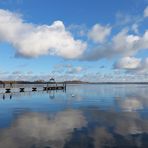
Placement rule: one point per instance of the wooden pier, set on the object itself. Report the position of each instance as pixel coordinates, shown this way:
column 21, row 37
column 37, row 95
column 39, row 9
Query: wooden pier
column 34, row 87
column 13, row 94
column 47, row 88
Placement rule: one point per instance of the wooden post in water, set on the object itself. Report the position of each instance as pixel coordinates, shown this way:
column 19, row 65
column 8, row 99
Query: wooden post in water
column 47, row 85
column 11, row 85
column 64, row 85
column 3, row 84
column 44, row 88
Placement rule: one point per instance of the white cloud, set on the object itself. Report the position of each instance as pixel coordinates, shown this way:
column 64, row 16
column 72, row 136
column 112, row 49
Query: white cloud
column 123, row 44
column 132, row 64
column 74, row 70
column 135, row 28
column 128, row 63
column 68, row 69
column 17, row 72
column 143, row 69
column 146, row 12
column 126, row 19
column 32, row 41
column 98, row 33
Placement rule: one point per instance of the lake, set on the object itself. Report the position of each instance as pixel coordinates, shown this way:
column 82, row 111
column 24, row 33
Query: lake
column 85, row 116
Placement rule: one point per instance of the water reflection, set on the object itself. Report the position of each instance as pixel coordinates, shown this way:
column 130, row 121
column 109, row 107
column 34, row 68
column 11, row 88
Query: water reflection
column 131, row 104
column 42, row 130
column 28, row 93
column 86, row 116
column 124, row 129
column 52, row 94
column 8, row 96
column 85, row 127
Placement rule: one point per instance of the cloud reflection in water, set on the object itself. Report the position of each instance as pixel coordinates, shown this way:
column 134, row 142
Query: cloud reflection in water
column 38, row 129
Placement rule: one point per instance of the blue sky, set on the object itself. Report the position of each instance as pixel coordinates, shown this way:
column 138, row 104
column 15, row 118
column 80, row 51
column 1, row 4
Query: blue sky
column 94, row 40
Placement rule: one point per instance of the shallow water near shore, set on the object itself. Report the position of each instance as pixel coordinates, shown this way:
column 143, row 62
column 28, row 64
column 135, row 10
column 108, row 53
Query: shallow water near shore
column 85, row 116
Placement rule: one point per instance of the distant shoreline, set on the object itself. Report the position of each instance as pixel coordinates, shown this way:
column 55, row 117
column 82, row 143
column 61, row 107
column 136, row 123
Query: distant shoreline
column 120, row 83
column 69, row 82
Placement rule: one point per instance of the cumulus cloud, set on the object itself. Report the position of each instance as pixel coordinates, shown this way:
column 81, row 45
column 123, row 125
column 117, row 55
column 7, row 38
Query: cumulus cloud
column 98, row 33
column 135, row 28
column 34, row 40
column 146, row 12
column 125, row 43
column 124, row 19
column 132, row 64
column 17, row 72
column 68, row 69
column 128, row 63
column 74, row 70
column 122, row 44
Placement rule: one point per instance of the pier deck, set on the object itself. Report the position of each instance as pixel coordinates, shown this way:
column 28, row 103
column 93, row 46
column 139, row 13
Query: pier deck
column 32, row 87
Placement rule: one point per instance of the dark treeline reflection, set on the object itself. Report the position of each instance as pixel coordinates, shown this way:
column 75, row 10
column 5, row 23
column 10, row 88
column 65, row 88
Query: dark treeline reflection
column 86, row 116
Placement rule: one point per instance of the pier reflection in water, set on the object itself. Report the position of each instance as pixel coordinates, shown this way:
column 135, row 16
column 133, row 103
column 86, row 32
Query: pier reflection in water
column 86, row 116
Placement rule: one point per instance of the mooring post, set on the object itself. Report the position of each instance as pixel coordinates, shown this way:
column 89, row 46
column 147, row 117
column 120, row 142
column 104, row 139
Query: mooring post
column 65, row 86
column 44, row 88
column 3, row 84
column 47, row 85
column 11, row 85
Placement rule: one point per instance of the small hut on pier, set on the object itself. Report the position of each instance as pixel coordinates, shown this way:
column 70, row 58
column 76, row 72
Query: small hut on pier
column 52, row 83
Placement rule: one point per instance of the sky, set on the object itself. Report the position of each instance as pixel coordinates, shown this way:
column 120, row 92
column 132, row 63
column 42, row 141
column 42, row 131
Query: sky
column 89, row 40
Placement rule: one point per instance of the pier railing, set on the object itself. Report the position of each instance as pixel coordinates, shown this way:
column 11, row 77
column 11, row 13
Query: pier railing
column 7, row 88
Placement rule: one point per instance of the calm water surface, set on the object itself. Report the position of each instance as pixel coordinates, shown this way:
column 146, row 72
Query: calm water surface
column 85, row 116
